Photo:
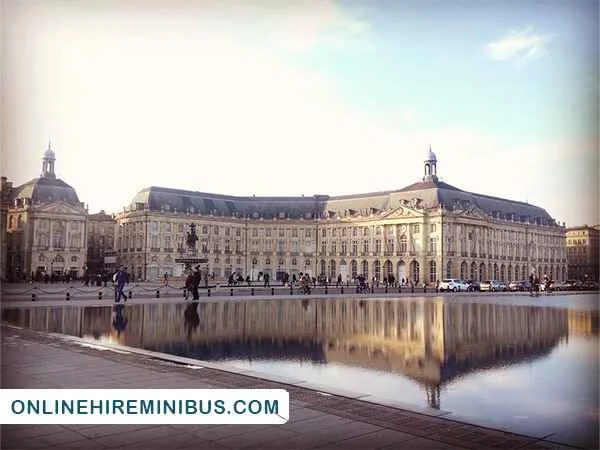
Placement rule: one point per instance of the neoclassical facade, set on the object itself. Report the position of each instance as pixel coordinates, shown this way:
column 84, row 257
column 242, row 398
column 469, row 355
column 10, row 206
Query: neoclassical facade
column 583, row 252
column 46, row 227
column 421, row 233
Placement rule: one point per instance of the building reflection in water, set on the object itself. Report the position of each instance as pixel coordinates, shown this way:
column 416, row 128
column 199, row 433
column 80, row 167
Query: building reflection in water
column 429, row 341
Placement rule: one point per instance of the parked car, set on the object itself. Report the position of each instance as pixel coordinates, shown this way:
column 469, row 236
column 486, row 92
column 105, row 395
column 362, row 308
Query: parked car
column 473, row 286
column 453, row 284
column 492, row 286
column 521, row 286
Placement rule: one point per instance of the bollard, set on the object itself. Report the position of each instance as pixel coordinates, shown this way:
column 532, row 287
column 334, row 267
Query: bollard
column 272, row 291
column 99, row 295
column 412, row 289
column 357, row 289
column 157, row 293
column 231, row 292
column 291, row 290
column 33, row 297
column 342, row 290
column 424, row 289
column 68, row 296
column 252, row 291
column 209, row 292
column 325, row 289
column 399, row 289
column 129, row 294
column 386, row 289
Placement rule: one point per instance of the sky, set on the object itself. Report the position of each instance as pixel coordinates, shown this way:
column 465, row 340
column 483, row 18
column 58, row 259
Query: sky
column 270, row 97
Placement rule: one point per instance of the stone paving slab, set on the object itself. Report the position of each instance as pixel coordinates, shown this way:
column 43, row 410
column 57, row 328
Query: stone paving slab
column 317, row 421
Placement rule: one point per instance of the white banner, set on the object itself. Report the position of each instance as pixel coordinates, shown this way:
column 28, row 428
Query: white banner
column 143, row 406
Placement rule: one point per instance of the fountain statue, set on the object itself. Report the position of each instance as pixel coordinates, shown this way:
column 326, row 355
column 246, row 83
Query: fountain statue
column 190, row 257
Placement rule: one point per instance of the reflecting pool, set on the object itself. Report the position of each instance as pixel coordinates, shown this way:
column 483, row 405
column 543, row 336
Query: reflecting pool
column 525, row 367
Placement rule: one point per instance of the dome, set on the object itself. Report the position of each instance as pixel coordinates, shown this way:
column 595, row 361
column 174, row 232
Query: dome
column 46, row 190
column 430, row 156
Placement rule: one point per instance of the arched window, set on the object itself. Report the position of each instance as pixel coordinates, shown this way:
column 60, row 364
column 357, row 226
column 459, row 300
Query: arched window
column 332, row 270
column 516, row 273
column 502, row 273
column 414, row 271
column 449, row 269
column 322, row 267
column 524, row 272
column 473, row 272
column 495, row 274
column 365, row 269
column 432, row 271
column 294, row 261
column 353, row 268
column 267, row 261
column 377, row 270
column 389, row 268
column 482, row 273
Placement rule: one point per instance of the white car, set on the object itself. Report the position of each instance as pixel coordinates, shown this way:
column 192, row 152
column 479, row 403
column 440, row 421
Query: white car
column 454, row 285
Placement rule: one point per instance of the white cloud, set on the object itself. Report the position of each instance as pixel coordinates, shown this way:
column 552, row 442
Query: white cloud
column 519, row 45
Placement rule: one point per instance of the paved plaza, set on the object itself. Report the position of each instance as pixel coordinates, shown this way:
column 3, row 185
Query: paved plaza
column 33, row 359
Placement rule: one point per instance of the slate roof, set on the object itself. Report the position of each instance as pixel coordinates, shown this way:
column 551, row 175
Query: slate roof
column 46, row 190
column 432, row 193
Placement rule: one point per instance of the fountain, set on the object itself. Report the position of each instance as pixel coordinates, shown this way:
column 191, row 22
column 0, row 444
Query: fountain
column 190, row 257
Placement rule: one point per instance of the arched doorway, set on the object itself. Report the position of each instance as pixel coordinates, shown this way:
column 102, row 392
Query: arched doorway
column 365, row 269
column 449, row 269
column 344, row 270
column 463, row 270
column 402, row 275
column 332, row 270
column 502, row 272
column 353, row 268
column 377, row 270
column 482, row 272
column 414, row 271
column 388, row 268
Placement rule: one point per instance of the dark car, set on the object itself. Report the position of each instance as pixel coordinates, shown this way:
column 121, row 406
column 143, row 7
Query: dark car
column 473, row 286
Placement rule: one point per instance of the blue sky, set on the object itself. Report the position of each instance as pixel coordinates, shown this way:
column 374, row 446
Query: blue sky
column 277, row 98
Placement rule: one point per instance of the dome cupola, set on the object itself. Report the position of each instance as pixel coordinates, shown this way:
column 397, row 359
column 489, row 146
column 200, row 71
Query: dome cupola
column 430, row 167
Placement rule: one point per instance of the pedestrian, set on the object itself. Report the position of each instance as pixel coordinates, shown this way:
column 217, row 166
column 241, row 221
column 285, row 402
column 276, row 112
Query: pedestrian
column 120, row 279
column 196, row 283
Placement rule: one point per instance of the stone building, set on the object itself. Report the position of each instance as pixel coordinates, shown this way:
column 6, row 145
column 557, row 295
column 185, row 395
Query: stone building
column 6, row 190
column 420, row 233
column 583, row 245
column 46, row 227
column 100, row 242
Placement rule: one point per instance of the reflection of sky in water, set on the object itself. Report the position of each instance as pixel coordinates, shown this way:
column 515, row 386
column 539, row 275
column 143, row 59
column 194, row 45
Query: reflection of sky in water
column 554, row 394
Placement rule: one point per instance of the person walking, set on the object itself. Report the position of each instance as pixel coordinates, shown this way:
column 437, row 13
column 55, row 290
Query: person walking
column 120, row 279
column 196, row 283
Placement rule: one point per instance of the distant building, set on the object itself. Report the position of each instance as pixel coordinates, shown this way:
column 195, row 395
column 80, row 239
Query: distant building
column 583, row 252
column 100, row 243
column 421, row 233
column 46, row 227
